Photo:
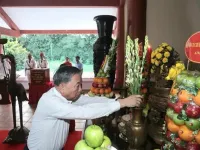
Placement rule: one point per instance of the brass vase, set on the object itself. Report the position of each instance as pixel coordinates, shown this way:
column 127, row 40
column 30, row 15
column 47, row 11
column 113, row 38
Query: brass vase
column 136, row 130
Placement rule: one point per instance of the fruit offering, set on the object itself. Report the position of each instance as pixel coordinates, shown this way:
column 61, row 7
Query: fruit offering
column 94, row 140
column 100, row 85
column 183, row 113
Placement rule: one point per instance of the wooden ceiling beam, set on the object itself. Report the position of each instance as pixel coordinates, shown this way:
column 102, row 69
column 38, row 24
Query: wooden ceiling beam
column 8, row 20
column 9, row 32
column 61, row 3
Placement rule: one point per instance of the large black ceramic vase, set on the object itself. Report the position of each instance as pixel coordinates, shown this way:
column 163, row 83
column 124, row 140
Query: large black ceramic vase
column 102, row 45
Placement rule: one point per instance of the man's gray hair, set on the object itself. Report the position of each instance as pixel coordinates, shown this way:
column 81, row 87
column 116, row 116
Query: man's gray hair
column 64, row 74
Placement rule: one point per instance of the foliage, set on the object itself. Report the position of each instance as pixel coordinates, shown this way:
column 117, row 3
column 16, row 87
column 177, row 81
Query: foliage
column 57, row 47
column 15, row 48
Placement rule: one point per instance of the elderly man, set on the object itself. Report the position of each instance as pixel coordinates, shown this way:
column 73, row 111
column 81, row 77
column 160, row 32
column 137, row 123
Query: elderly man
column 50, row 124
column 29, row 64
column 42, row 62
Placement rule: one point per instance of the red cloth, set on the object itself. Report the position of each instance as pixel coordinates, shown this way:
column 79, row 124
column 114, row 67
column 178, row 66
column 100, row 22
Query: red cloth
column 36, row 91
column 73, row 138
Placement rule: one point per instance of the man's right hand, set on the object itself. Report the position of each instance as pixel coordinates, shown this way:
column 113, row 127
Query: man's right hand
column 131, row 101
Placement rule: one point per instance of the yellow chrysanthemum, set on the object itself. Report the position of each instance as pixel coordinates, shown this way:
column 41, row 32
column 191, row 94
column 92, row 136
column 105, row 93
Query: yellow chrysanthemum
column 160, row 49
column 157, row 63
column 165, row 60
column 152, row 71
column 167, row 54
column 164, row 44
column 158, row 56
column 169, row 48
column 152, row 61
column 153, row 54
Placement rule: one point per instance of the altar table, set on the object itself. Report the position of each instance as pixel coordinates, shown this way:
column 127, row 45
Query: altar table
column 36, row 91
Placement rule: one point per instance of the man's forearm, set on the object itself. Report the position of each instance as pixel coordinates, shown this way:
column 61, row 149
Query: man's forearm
column 121, row 102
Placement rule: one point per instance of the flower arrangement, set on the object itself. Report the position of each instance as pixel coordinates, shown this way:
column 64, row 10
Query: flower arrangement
column 160, row 56
column 135, row 65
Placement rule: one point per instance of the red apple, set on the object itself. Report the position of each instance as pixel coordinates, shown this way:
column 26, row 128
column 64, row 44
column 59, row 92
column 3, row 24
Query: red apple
column 170, row 135
column 180, row 144
column 104, row 85
column 193, row 146
column 178, row 107
column 193, row 111
column 100, row 85
column 170, row 104
column 143, row 86
column 94, row 84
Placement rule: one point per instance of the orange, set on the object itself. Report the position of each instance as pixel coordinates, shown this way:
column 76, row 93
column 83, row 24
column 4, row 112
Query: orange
column 100, row 80
column 185, row 134
column 184, row 96
column 196, row 98
column 92, row 89
column 107, row 90
column 105, row 81
column 167, row 119
column 144, row 91
column 96, row 91
column 96, row 80
column 197, row 137
column 101, row 91
column 174, row 91
column 172, row 127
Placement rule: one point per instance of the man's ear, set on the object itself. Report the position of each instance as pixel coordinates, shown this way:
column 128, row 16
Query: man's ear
column 62, row 85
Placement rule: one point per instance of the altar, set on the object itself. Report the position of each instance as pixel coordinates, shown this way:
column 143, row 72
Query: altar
column 40, row 83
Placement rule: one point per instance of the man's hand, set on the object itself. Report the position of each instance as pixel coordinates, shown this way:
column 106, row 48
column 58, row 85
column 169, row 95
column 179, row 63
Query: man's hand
column 131, row 101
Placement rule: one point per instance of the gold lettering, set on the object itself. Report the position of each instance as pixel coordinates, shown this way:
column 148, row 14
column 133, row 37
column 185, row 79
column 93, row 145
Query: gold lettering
column 197, row 53
column 197, row 44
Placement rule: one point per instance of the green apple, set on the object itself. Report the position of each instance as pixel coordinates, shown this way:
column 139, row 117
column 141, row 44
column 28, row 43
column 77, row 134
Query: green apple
column 81, row 145
column 189, row 81
column 98, row 148
column 107, row 95
column 111, row 94
column 94, row 136
column 193, row 124
column 180, row 78
column 170, row 113
column 91, row 94
column 106, row 142
column 177, row 121
column 197, row 83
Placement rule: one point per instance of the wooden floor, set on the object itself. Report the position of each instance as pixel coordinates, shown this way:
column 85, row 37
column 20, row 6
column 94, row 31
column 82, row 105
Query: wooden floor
column 6, row 118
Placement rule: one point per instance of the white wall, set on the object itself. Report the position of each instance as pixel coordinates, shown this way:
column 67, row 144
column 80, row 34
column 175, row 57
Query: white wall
column 172, row 21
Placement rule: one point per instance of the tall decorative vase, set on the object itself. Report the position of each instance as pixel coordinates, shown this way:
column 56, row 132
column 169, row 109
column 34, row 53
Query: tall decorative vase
column 136, row 132
column 102, row 45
